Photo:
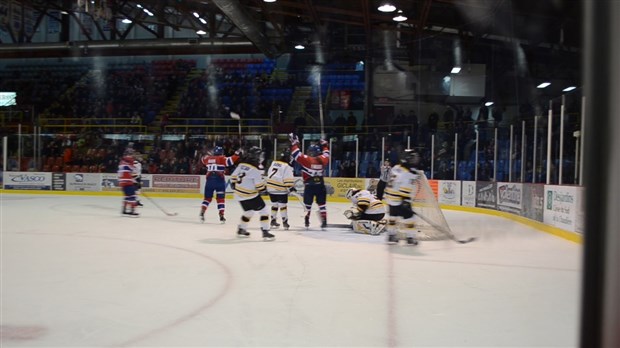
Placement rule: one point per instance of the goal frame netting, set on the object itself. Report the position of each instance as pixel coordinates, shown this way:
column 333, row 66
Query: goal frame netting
column 430, row 221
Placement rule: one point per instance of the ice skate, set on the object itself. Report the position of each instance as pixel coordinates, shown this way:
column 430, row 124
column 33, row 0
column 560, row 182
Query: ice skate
column 274, row 224
column 268, row 236
column 140, row 204
column 392, row 239
column 307, row 221
column 202, row 217
column 222, row 219
column 285, row 224
column 242, row 233
column 412, row 241
column 323, row 224
column 131, row 213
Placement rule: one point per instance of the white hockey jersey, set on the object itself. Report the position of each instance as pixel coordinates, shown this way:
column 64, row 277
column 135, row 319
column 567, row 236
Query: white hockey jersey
column 137, row 169
column 365, row 202
column 279, row 178
column 248, row 181
column 402, row 185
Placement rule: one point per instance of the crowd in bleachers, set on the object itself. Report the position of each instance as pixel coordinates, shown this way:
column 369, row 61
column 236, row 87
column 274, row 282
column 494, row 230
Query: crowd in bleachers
column 136, row 95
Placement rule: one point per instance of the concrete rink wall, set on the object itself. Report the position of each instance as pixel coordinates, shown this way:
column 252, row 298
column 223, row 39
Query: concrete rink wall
column 77, row 274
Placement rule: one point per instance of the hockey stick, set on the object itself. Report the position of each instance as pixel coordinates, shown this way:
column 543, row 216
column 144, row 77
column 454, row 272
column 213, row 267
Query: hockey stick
column 158, row 206
column 444, row 231
column 300, row 198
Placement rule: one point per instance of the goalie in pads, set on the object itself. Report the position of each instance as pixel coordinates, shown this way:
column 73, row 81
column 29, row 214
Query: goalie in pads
column 367, row 212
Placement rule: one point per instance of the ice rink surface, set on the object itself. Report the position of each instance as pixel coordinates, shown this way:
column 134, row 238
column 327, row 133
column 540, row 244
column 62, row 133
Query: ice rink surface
column 77, row 274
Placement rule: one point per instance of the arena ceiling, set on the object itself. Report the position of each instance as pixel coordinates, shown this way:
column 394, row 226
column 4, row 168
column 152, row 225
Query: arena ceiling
column 349, row 27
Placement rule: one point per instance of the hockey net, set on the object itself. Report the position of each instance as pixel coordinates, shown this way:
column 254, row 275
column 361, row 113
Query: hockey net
column 430, row 223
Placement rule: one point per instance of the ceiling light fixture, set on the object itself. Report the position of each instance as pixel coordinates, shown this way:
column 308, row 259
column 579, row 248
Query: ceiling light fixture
column 201, row 32
column 488, row 103
column 202, row 20
column 126, row 21
column 300, row 47
column 196, row 15
column 269, row 0
column 544, row 85
column 386, row 7
column 455, row 70
column 400, row 17
column 568, row 89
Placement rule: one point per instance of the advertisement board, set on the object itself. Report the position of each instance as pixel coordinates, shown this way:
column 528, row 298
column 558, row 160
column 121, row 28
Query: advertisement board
column 562, row 205
column 486, row 195
column 27, row 181
column 337, row 187
column 449, row 192
column 510, row 197
column 175, row 183
column 83, row 181
column 58, row 182
column 468, row 193
column 533, row 201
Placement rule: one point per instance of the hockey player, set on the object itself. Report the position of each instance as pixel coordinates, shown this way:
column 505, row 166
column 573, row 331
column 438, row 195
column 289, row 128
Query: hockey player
column 280, row 181
column 313, row 166
column 383, row 179
column 400, row 191
column 367, row 212
column 216, row 165
column 127, row 184
column 137, row 177
column 248, row 183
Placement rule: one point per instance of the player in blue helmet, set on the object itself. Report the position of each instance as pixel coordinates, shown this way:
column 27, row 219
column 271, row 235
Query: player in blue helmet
column 314, row 150
column 216, row 164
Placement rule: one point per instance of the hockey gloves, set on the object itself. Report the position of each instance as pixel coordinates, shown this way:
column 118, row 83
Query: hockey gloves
column 293, row 138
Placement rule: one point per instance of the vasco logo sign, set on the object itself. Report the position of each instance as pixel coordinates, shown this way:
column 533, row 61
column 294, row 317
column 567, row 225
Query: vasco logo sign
column 27, row 178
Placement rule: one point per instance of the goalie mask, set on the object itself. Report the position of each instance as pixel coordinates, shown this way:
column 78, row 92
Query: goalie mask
column 218, row 151
column 351, row 192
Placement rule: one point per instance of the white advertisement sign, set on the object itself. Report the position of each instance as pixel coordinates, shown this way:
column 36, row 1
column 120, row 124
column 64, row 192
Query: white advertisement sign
column 561, row 207
column 83, row 182
column 27, row 181
column 468, row 193
column 449, row 192
column 510, row 197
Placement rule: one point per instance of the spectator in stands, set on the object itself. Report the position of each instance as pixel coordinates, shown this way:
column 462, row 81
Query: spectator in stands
column 339, row 124
column 351, row 123
column 433, row 120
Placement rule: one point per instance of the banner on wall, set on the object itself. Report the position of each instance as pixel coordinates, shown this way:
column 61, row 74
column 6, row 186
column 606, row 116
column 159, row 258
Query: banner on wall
column 337, row 187
column 468, row 193
column 449, row 192
column 486, row 195
column 27, row 181
column 510, row 197
column 58, row 182
column 83, row 182
column 533, row 201
column 563, row 206
column 176, row 183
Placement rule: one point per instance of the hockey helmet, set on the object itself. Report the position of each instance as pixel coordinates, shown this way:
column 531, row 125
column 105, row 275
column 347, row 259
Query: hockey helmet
column 128, row 159
column 218, row 151
column 410, row 159
column 351, row 192
column 285, row 156
column 313, row 150
column 254, row 156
